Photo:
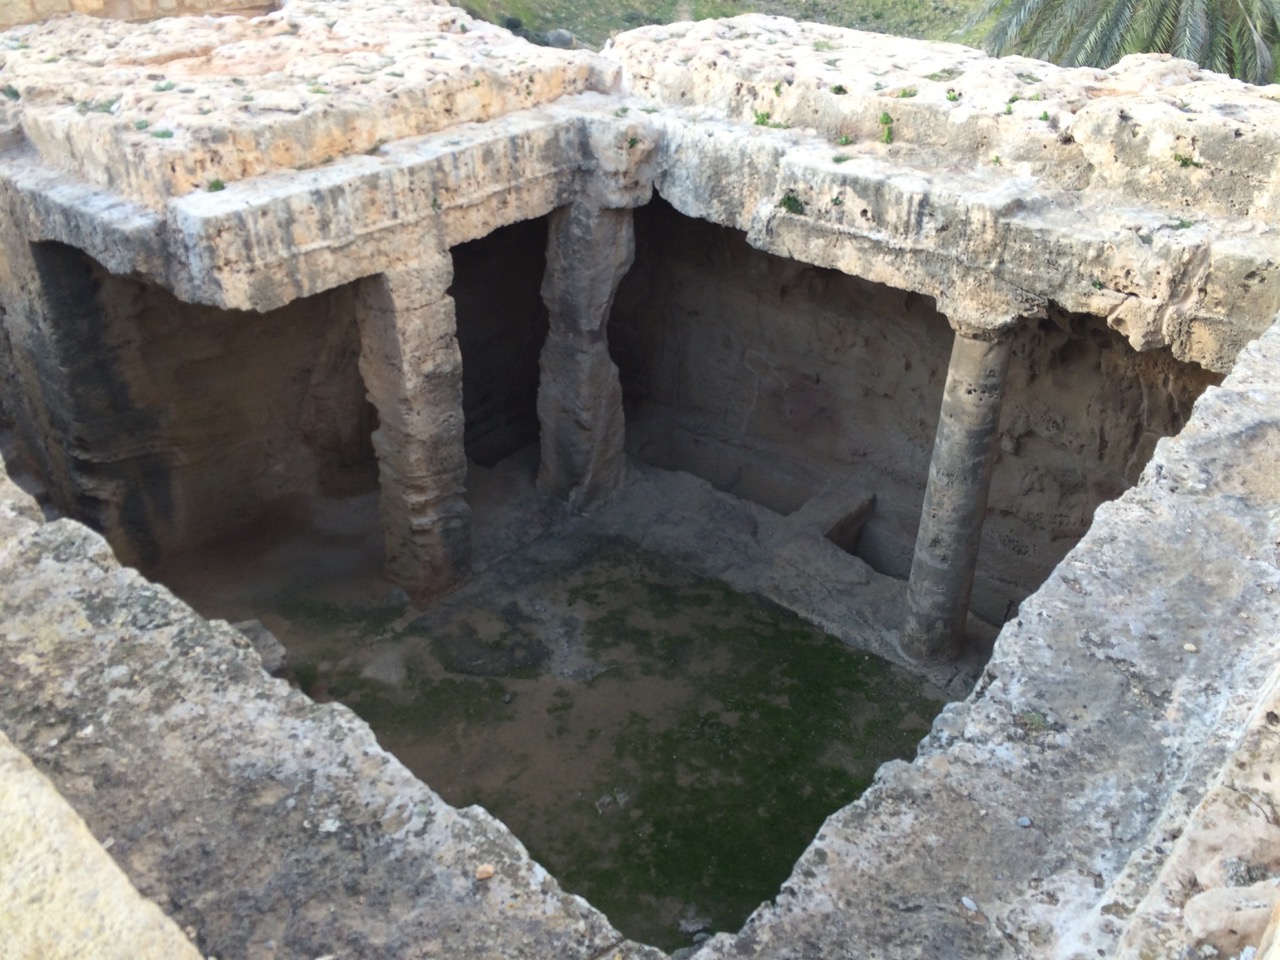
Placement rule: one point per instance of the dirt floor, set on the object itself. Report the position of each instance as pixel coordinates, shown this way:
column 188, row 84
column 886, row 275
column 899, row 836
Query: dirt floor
column 665, row 746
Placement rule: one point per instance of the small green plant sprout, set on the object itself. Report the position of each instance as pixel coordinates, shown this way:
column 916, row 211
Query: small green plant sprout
column 1184, row 161
column 764, row 119
column 141, row 124
column 631, row 143
column 886, row 124
column 164, row 86
column 622, row 111
column 824, row 46
column 953, row 96
column 777, row 89
column 843, row 140
column 648, row 109
column 1045, row 116
column 10, row 91
column 837, row 201
column 906, row 92
column 995, row 161
column 162, row 134
column 1014, row 99
column 1184, row 224
column 841, row 158
column 216, row 185
column 1032, row 721
column 839, row 90
column 1096, row 284
column 792, row 204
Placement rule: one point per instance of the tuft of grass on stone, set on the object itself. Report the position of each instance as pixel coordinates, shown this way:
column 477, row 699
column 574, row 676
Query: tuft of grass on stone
column 839, row 90
column 792, row 204
column 906, row 92
column 953, row 96
column 216, row 185
column 141, row 124
column 886, row 133
column 1185, row 161
column 10, row 91
column 162, row 134
column 841, row 158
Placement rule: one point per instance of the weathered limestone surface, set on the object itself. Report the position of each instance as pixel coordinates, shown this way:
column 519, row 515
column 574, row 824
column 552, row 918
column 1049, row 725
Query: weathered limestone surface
column 245, row 164
column 1091, row 208
column 17, row 12
column 412, row 368
column 1095, row 722
column 773, row 379
column 268, row 825
column 63, row 898
column 955, row 500
column 580, row 408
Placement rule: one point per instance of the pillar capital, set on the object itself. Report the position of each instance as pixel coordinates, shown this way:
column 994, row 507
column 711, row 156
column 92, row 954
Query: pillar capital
column 984, row 308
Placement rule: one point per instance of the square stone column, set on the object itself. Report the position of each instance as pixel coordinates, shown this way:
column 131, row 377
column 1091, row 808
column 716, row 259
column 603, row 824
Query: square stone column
column 589, row 250
column 412, row 370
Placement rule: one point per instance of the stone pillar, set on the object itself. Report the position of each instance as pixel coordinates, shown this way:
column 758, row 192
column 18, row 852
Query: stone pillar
column 579, row 396
column 955, row 501
column 412, row 370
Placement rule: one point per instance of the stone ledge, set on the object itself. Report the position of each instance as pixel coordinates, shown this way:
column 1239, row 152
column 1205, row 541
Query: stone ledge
column 61, row 896
column 268, row 824
column 1093, row 722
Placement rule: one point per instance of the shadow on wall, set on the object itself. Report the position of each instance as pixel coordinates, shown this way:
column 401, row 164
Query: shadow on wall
column 502, row 324
column 182, row 423
column 772, row 379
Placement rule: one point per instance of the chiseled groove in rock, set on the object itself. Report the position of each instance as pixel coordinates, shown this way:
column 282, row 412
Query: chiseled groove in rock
column 249, row 811
column 1090, row 720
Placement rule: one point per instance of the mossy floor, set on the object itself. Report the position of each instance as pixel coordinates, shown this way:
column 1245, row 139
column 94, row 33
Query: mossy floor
column 664, row 746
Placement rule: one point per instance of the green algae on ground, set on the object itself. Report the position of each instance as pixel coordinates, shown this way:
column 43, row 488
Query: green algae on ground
column 682, row 770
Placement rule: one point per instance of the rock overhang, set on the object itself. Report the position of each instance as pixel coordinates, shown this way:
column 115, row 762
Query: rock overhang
column 1140, row 193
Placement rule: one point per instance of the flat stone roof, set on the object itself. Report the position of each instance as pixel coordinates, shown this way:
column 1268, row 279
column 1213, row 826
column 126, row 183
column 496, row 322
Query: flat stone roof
column 159, row 109
column 1141, row 193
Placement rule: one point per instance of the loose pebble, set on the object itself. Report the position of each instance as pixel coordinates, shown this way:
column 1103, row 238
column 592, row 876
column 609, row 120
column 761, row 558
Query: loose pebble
column 485, row 871
column 1024, row 821
column 969, row 904
column 1190, row 648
